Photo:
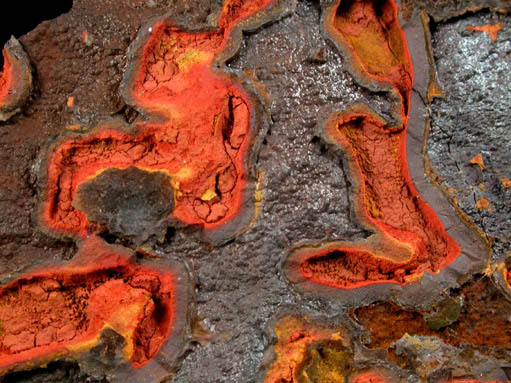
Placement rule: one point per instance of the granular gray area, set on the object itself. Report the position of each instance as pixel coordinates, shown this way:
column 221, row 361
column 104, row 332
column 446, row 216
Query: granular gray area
column 295, row 165
column 132, row 202
column 475, row 117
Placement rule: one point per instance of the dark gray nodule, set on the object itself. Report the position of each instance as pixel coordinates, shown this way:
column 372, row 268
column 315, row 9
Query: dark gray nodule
column 128, row 202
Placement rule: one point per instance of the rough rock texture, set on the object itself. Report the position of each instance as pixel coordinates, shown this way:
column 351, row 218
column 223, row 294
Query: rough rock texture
column 473, row 119
column 128, row 202
column 303, row 194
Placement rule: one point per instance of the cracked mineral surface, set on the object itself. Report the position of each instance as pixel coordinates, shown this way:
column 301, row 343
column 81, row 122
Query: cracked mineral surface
column 200, row 130
column 173, row 157
column 62, row 311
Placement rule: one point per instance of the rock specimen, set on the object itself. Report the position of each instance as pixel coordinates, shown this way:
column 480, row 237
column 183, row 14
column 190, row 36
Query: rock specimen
column 261, row 191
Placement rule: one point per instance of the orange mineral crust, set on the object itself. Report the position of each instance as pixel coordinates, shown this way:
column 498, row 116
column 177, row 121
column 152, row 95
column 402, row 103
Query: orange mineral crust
column 409, row 239
column 369, row 33
column 61, row 311
column 200, row 131
column 298, row 341
column 15, row 79
column 5, row 76
column 491, row 29
column 207, row 183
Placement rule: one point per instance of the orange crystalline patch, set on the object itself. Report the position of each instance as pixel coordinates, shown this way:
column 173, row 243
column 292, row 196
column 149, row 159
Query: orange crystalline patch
column 295, row 335
column 478, row 160
column 409, row 238
column 5, row 77
column 371, row 35
column 506, row 182
column 62, row 310
column 310, row 352
column 86, row 38
column 195, row 170
column 200, row 136
column 491, row 29
column 482, row 204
